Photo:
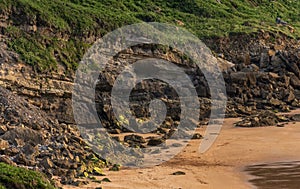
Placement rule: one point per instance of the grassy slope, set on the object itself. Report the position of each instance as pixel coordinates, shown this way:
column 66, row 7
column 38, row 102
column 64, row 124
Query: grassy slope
column 13, row 177
column 82, row 18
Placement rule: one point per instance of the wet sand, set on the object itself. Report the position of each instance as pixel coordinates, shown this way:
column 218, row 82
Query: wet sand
column 222, row 166
column 276, row 175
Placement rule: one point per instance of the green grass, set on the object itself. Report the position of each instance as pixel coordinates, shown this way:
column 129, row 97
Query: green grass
column 14, row 177
column 80, row 19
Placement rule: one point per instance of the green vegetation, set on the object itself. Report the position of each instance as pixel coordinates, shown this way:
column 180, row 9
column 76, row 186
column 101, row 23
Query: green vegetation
column 65, row 25
column 14, row 177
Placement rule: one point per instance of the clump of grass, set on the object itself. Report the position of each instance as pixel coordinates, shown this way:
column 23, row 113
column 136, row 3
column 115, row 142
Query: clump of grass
column 19, row 178
column 71, row 22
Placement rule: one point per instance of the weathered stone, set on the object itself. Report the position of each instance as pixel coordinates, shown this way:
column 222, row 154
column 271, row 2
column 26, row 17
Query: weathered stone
column 47, row 163
column 12, row 151
column 251, row 78
column 239, row 77
column 7, row 160
column 25, row 134
column 290, row 97
column 178, row 173
column 134, row 138
column 30, row 150
column 295, row 81
column 3, row 129
column 155, row 141
column 276, row 61
column 22, row 159
column 197, row 136
column 264, row 60
column 264, row 118
column 275, row 102
column 3, row 144
column 177, row 145
column 296, row 117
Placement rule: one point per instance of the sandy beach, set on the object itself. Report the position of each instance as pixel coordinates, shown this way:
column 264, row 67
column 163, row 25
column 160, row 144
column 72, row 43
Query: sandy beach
column 220, row 167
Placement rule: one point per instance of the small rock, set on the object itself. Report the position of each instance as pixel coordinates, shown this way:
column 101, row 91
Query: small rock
column 22, row 159
column 116, row 138
column 176, row 145
column 280, row 125
column 105, row 180
column 81, row 169
column 155, row 141
column 23, row 134
column 178, row 173
column 3, row 144
column 46, row 163
column 12, row 151
column 30, row 150
column 3, row 129
column 115, row 131
column 156, row 151
column 134, row 138
column 6, row 160
column 264, row 118
column 290, row 97
column 275, row 102
column 197, row 136
column 295, row 117
column 115, row 167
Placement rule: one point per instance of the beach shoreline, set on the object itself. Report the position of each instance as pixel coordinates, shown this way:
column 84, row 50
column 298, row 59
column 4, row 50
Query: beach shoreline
column 222, row 165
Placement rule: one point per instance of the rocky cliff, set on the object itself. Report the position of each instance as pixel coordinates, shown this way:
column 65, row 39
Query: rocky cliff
column 39, row 53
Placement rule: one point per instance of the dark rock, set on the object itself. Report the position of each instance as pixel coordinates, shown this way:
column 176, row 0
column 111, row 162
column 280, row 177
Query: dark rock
column 176, row 145
column 22, row 159
column 30, row 150
column 280, row 125
column 115, row 167
column 291, row 66
column 116, row 138
column 239, row 77
column 197, row 136
column 78, row 183
column 264, row 118
column 134, row 138
column 115, row 131
column 264, row 60
column 65, row 164
column 295, row 81
column 46, row 163
column 155, row 141
column 251, row 78
column 156, row 151
column 178, row 173
column 25, row 134
column 296, row 117
column 290, row 97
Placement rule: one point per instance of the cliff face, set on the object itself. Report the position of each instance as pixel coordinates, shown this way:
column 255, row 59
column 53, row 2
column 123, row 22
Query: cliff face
column 265, row 74
column 42, row 42
column 49, row 91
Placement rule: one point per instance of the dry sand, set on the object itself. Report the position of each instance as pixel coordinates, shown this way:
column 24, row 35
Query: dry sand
column 221, row 167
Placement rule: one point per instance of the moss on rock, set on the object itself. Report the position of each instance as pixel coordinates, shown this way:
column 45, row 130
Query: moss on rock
column 21, row 178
